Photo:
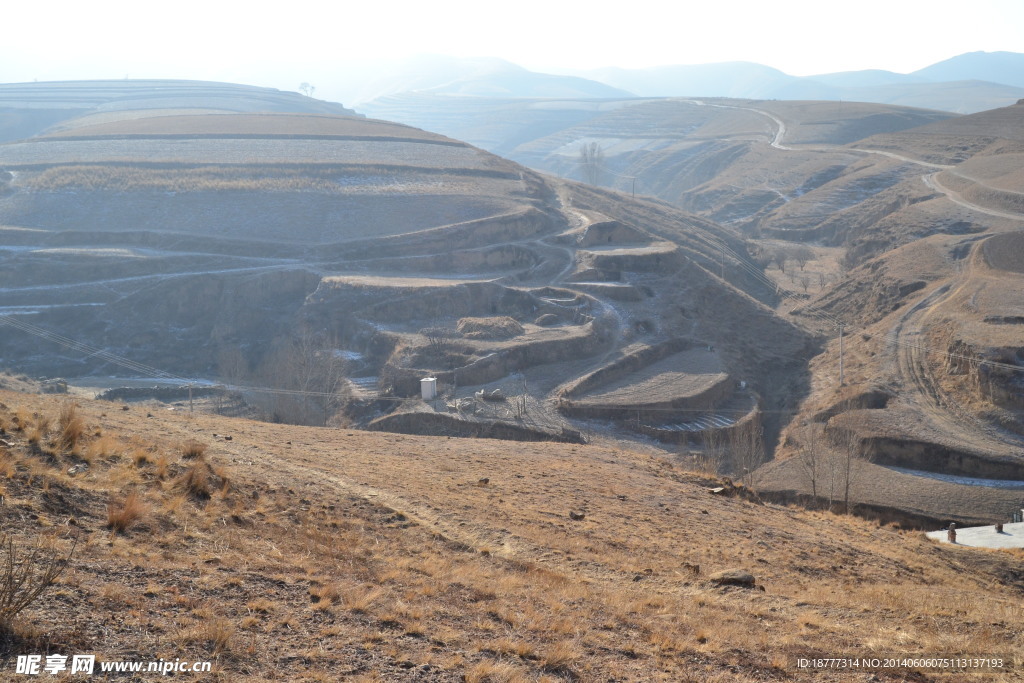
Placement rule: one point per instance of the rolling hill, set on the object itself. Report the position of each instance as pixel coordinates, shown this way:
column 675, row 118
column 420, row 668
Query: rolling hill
column 27, row 109
column 235, row 247
column 264, row 251
column 277, row 552
column 894, row 203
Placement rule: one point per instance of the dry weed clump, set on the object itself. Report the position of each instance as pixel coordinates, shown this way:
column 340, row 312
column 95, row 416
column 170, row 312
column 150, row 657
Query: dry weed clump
column 360, row 600
column 561, row 657
column 200, row 480
column 121, row 516
column 216, row 633
column 196, row 481
column 162, row 467
column 324, row 595
column 38, row 434
column 140, row 457
column 22, row 419
column 71, row 427
column 193, row 450
column 490, row 671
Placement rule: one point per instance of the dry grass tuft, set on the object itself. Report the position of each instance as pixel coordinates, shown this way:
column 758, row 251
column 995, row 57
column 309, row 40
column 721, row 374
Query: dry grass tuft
column 71, row 427
column 216, row 633
column 22, row 420
column 195, row 481
column 140, row 457
column 360, row 600
column 121, row 517
column 8, row 467
column 103, row 447
column 561, row 657
column 193, row 450
column 163, row 467
column 39, row 432
column 323, row 596
column 490, row 671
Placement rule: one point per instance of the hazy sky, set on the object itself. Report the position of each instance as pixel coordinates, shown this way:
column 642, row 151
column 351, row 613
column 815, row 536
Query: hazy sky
column 285, row 43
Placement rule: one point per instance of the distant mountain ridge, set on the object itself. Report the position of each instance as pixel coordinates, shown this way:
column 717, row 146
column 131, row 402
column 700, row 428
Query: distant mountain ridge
column 995, row 67
column 478, row 77
column 968, row 83
column 965, row 84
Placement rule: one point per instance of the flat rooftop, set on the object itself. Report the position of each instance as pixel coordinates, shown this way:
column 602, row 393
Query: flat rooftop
column 1012, row 536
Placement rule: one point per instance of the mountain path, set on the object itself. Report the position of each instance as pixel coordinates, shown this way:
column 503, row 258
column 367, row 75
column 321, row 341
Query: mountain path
column 929, row 179
column 910, row 350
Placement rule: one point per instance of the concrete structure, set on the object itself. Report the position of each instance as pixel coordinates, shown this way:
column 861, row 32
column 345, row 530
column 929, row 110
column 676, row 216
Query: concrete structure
column 1012, row 536
column 428, row 388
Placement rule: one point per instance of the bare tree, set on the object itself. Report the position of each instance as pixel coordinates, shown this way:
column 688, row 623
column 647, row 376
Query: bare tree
column 780, row 256
column 592, row 162
column 520, row 402
column 438, row 339
column 232, row 367
column 307, row 89
column 851, row 467
column 811, row 458
column 714, row 449
column 308, row 376
column 746, row 442
column 802, row 255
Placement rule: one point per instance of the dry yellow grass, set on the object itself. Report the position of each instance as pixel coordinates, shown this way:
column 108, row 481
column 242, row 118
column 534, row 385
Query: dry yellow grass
column 71, row 427
column 122, row 515
column 363, row 554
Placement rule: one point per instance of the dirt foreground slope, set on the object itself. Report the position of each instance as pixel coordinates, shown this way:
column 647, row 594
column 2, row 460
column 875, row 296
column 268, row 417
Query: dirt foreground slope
column 295, row 553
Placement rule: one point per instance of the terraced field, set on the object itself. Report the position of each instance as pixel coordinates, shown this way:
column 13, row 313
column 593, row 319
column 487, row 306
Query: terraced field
column 683, row 375
column 246, row 150
column 217, row 246
column 279, row 253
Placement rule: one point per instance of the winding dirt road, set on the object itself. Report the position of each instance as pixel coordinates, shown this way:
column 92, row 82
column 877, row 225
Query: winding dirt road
column 929, row 179
column 909, row 347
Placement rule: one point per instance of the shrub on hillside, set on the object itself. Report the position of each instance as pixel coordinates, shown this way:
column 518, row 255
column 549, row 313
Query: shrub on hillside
column 24, row 577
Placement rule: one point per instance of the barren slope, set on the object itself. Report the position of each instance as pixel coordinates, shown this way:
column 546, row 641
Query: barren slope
column 315, row 554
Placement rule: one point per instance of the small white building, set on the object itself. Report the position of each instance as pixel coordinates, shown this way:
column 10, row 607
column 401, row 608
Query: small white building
column 428, row 388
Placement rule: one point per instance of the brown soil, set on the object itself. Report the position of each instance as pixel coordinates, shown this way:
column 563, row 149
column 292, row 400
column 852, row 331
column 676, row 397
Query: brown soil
column 326, row 554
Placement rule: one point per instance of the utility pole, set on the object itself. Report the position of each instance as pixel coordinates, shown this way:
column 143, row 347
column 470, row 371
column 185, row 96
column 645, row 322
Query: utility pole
column 190, row 398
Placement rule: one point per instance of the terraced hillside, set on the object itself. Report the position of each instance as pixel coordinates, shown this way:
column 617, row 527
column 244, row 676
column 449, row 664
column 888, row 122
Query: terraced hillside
column 232, row 247
column 935, row 368
column 897, row 215
column 757, row 165
column 27, row 109
column 322, row 266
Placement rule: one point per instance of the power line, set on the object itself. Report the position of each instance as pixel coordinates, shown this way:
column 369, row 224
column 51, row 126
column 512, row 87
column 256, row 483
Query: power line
column 153, row 373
